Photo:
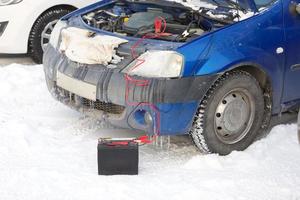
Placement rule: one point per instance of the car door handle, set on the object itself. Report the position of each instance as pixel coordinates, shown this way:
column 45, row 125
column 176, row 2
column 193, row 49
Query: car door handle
column 295, row 67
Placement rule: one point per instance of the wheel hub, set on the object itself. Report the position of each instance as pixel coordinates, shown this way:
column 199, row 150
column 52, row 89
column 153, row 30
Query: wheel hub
column 234, row 116
column 45, row 36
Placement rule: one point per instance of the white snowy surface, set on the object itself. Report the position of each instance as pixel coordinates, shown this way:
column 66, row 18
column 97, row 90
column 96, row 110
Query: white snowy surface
column 48, row 151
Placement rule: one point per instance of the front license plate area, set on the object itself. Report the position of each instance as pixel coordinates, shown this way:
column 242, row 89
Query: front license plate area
column 77, row 87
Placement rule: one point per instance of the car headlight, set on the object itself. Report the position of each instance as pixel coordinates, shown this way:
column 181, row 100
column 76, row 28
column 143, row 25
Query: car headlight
column 8, row 2
column 163, row 64
column 54, row 39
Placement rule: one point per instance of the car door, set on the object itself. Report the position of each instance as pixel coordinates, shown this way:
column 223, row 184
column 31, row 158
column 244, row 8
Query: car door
column 291, row 87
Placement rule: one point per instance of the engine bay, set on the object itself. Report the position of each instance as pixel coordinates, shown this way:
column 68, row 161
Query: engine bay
column 164, row 20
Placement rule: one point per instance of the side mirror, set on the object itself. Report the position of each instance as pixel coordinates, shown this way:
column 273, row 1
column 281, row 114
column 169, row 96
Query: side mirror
column 294, row 8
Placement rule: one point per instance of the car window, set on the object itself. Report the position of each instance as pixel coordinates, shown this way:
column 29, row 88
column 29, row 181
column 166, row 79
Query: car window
column 263, row 3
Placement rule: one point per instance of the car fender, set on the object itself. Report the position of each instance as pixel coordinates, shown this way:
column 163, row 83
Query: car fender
column 254, row 40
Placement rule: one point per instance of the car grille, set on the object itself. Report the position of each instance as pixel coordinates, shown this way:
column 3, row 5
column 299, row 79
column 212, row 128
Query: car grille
column 106, row 107
column 98, row 105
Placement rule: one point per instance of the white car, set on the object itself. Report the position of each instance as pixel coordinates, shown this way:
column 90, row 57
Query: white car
column 26, row 25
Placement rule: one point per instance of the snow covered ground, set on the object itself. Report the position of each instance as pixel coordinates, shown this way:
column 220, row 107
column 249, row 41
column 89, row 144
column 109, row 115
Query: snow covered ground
column 10, row 59
column 48, row 151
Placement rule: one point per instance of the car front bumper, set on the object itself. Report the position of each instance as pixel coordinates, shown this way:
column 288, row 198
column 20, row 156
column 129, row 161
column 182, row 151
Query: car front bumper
column 162, row 106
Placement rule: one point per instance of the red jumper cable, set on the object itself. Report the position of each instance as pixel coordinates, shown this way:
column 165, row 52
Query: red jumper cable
column 159, row 22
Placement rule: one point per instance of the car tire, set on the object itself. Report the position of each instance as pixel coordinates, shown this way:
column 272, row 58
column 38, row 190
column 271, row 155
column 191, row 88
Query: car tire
column 44, row 23
column 230, row 115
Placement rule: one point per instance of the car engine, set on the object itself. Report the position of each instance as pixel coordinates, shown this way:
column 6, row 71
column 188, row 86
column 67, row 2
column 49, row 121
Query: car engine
column 137, row 19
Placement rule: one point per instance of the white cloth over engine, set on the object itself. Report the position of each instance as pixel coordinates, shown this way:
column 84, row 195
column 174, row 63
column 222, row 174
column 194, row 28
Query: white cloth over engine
column 80, row 46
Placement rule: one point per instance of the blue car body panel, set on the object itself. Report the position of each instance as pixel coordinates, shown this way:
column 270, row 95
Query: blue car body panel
column 268, row 41
column 292, row 56
column 250, row 42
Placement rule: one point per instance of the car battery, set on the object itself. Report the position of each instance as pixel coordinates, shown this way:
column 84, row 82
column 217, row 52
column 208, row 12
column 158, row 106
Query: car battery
column 117, row 157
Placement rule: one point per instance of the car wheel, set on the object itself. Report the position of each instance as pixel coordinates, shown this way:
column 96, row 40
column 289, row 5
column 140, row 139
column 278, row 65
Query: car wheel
column 230, row 115
column 40, row 33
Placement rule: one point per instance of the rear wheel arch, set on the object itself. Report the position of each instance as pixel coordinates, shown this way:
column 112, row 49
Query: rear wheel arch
column 62, row 6
column 34, row 44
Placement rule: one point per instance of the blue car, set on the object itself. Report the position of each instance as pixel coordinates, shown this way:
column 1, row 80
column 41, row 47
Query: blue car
column 215, row 69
